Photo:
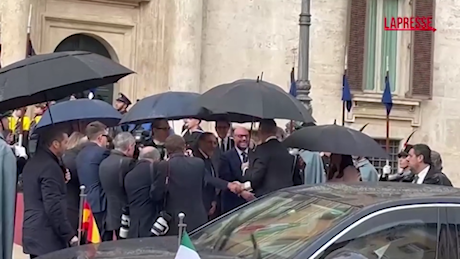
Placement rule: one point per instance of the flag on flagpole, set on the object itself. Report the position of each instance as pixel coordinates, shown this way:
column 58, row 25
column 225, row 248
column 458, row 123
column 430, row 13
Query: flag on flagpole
column 186, row 249
column 293, row 87
column 89, row 225
column 387, row 100
column 346, row 93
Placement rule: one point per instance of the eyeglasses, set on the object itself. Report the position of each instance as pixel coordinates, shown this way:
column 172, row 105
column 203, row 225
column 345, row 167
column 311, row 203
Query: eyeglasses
column 241, row 136
column 163, row 128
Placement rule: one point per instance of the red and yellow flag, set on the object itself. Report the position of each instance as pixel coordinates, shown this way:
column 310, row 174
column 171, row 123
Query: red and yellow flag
column 89, row 225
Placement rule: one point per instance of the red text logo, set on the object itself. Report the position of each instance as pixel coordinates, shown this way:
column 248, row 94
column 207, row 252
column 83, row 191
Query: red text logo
column 419, row 23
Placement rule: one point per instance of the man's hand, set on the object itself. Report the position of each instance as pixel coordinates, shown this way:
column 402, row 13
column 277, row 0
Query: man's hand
column 20, row 151
column 248, row 196
column 73, row 241
column 67, row 176
column 235, row 187
column 212, row 210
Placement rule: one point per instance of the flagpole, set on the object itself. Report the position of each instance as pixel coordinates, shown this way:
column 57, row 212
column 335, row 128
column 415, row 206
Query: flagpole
column 80, row 210
column 387, row 144
column 344, row 75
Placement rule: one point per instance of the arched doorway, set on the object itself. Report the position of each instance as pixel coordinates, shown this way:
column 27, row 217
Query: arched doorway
column 82, row 42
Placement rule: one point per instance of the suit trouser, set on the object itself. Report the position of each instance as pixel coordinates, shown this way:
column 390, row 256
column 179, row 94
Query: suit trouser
column 100, row 222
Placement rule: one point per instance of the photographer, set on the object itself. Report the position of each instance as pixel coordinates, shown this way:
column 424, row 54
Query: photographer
column 178, row 187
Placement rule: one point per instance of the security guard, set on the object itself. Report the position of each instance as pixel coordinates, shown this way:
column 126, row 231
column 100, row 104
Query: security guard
column 122, row 103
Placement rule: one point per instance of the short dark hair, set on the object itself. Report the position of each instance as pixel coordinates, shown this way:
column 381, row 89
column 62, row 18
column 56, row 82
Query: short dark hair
column 175, row 144
column 46, row 138
column 94, row 129
column 204, row 135
column 156, row 122
column 223, row 120
column 424, row 150
column 268, row 126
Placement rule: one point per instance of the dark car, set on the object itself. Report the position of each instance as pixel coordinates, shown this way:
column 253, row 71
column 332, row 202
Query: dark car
column 366, row 220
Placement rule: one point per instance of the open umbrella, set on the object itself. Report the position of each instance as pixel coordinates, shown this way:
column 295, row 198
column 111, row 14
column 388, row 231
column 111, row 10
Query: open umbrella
column 54, row 76
column 174, row 105
column 256, row 98
column 86, row 110
column 335, row 139
column 171, row 105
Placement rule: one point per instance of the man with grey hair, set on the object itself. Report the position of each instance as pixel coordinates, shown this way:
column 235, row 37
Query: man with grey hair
column 112, row 172
column 142, row 209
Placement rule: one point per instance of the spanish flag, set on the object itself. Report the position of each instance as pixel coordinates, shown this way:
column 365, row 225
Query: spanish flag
column 89, row 225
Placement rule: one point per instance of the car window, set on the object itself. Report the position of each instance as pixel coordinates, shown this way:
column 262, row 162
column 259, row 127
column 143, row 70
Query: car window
column 399, row 234
column 277, row 226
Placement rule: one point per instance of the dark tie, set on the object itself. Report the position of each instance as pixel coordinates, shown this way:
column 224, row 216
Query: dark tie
column 415, row 179
column 222, row 145
column 32, row 124
column 244, row 155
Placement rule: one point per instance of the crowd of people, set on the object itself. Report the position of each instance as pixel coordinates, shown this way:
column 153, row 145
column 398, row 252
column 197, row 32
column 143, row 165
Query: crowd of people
column 137, row 188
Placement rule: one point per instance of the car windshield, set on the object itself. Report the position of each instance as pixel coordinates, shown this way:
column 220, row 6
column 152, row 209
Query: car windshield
column 277, row 226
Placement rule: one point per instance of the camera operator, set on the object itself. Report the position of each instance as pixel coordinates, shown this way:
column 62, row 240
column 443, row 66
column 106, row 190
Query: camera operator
column 142, row 209
column 178, row 187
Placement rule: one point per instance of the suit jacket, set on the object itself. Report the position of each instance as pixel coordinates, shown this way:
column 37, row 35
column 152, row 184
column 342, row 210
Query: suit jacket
column 88, row 161
column 184, row 191
column 230, row 170
column 219, row 152
column 271, row 168
column 112, row 172
column 437, row 178
column 46, row 228
column 213, row 183
column 142, row 209
column 73, row 186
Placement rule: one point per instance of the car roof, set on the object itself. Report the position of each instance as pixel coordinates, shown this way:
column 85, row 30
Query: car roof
column 369, row 193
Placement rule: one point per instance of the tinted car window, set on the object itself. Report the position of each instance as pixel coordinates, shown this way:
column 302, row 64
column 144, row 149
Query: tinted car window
column 398, row 234
column 279, row 226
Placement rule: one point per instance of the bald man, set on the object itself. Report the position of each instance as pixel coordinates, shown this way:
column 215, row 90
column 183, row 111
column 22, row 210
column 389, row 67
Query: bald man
column 142, row 210
column 230, row 169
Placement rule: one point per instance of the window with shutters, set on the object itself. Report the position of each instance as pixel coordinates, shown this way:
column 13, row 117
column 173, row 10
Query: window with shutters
column 381, row 45
column 370, row 49
column 393, row 160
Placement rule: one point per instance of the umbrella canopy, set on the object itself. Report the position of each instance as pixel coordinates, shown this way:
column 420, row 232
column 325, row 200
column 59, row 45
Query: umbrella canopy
column 174, row 105
column 86, row 110
column 54, row 76
column 170, row 105
column 335, row 139
column 255, row 98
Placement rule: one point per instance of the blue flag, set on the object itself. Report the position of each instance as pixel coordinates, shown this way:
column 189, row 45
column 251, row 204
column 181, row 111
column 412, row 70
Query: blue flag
column 346, row 93
column 293, row 88
column 387, row 100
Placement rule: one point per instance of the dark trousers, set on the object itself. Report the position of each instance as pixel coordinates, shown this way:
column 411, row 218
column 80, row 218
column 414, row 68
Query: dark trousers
column 33, row 256
column 100, row 222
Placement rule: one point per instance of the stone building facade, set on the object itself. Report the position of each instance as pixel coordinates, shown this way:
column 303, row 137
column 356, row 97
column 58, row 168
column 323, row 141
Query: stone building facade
column 193, row 45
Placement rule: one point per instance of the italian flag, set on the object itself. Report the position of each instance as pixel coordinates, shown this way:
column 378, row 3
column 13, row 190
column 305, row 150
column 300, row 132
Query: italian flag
column 186, row 249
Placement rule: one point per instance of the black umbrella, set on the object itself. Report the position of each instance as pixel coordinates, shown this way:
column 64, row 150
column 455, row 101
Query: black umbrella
column 335, row 139
column 54, row 76
column 86, row 110
column 256, row 98
column 171, row 105
column 175, row 105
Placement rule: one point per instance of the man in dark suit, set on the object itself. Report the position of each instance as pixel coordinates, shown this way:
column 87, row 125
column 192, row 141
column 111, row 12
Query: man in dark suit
column 160, row 131
column 422, row 168
column 270, row 166
column 88, row 162
column 230, row 167
column 112, row 172
column 224, row 141
column 142, row 209
column 46, row 227
column 213, row 184
column 178, row 186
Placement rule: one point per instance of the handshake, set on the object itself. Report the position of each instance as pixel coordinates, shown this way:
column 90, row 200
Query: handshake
column 241, row 189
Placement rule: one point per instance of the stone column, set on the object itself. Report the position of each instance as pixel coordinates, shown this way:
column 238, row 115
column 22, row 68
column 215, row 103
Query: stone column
column 15, row 15
column 186, row 36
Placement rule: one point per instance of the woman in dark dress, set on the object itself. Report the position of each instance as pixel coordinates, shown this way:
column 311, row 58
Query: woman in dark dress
column 75, row 144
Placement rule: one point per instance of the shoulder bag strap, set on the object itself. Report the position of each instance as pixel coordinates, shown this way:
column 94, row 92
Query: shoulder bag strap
column 121, row 178
column 165, row 197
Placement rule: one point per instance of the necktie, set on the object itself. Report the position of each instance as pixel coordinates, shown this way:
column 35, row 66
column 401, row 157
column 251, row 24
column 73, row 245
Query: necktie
column 415, row 179
column 17, row 127
column 222, row 145
column 32, row 124
column 244, row 156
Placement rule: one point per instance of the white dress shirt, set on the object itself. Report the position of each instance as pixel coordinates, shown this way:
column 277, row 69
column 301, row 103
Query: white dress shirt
column 240, row 153
column 422, row 175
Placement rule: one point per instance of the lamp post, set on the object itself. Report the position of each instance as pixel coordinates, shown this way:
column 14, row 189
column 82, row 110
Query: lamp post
column 303, row 81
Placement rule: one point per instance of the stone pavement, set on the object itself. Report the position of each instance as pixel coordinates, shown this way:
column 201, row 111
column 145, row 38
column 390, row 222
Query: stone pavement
column 17, row 252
